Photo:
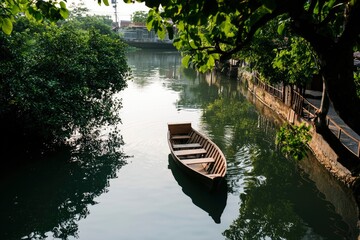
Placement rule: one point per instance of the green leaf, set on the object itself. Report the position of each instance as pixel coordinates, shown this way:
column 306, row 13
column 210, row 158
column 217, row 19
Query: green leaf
column 186, row 60
column 161, row 32
column 226, row 27
column 281, row 28
column 150, row 20
column 15, row 9
column 177, row 43
column 181, row 26
column 64, row 13
column 7, row 26
column 192, row 44
column 106, row 2
column 211, row 62
column 258, row 14
column 63, row 4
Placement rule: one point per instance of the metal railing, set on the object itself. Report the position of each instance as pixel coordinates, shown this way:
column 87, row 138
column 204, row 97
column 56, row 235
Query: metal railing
column 351, row 143
column 276, row 91
column 308, row 111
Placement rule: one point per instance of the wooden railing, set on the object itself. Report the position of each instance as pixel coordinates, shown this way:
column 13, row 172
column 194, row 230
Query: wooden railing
column 351, row 143
column 307, row 110
column 276, row 91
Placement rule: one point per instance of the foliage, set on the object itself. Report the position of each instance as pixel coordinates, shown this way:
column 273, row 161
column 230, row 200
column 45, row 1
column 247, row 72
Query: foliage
column 55, row 80
column 214, row 30
column 78, row 10
column 208, row 28
column 297, row 61
column 293, row 140
column 101, row 24
column 139, row 17
column 38, row 10
column 266, row 40
column 357, row 82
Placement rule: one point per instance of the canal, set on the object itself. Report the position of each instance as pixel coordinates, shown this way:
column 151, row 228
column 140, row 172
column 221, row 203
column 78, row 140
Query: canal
column 144, row 196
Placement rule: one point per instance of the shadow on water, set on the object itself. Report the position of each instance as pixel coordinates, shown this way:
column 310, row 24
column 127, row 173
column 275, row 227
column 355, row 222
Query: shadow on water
column 48, row 197
column 211, row 202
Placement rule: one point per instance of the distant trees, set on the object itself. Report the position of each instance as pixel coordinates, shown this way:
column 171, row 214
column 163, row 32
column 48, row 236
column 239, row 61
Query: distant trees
column 139, row 17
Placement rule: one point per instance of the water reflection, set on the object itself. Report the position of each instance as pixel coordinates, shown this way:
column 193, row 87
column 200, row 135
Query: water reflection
column 47, row 198
column 148, row 64
column 277, row 200
column 211, row 202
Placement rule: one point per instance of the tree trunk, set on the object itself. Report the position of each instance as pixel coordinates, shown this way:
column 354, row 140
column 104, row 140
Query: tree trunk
column 336, row 60
column 323, row 111
column 337, row 68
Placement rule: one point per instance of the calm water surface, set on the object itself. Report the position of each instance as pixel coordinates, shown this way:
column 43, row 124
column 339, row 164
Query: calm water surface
column 265, row 197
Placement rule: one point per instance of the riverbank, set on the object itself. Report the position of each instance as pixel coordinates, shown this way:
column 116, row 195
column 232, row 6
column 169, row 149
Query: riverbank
column 323, row 152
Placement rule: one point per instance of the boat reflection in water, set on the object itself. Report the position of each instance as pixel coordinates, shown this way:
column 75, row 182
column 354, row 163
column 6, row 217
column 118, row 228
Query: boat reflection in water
column 213, row 202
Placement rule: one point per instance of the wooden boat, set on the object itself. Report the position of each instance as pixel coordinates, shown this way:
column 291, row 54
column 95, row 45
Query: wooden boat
column 196, row 154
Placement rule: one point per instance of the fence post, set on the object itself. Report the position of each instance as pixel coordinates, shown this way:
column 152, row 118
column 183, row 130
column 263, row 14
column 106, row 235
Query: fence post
column 339, row 133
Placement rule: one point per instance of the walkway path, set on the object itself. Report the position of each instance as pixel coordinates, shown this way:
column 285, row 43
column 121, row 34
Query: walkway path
column 314, row 97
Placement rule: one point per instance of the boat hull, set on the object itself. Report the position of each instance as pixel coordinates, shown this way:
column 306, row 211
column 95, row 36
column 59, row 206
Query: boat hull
column 196, row 155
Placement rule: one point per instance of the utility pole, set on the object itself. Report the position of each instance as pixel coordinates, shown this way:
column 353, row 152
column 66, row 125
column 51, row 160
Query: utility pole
column 114, row 2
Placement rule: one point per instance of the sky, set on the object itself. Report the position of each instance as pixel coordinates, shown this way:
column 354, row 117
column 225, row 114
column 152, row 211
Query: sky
column 124, row 10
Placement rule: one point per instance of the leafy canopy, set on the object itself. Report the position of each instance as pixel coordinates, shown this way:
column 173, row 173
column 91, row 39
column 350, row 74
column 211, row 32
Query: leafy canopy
column 208, row 29
column 213, row 30
column 38, row 10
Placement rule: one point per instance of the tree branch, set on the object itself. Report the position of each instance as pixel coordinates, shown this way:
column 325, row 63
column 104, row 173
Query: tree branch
column 352, row 25
column 242, row 43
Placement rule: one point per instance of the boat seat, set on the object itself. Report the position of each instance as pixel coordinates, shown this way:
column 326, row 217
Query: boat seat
column 188, row 145
column 189, row 152
column 213, row 175
column 197, row 160
column 180, row 137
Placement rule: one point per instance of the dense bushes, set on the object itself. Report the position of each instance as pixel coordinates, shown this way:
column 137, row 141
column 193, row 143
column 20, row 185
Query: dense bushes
column 55, row 79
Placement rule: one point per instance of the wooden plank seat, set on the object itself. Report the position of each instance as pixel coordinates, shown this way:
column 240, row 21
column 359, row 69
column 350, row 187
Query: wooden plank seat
column 188, row 152
column 213, row 175
column 197, row 160
column 180, row 137
column 187, row 145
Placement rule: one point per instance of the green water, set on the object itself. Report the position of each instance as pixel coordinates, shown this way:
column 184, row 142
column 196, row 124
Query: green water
column 98, row 196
